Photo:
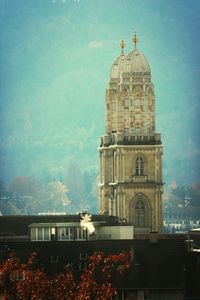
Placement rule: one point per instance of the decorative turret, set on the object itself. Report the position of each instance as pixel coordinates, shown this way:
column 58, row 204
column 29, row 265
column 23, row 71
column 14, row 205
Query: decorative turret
column 117, row 67
column 135, row 40
column 130, row 101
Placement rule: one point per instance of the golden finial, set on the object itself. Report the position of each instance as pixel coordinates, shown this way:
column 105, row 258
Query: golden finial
column 135, row 40
column 122, row 45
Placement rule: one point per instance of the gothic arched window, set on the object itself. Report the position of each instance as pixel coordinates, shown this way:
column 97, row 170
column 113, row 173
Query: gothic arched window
column 139, row 214
column 139, row 167
column 140, row 211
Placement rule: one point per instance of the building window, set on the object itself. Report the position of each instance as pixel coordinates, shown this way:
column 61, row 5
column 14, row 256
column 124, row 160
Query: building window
column 33, row 234
column 114, row 193
column 72, row 233
column 114, row 166
column 46, row 234
column 126, row 138
column 126, row 103
column 114, row 106
column 83, row 256
column 40, row 234
column 54, row 259
column 126, row 131
column 139, row 167
column 137, row 102
column 82, row 266
column 80, row 233
column 139, row 214
column 66, row 233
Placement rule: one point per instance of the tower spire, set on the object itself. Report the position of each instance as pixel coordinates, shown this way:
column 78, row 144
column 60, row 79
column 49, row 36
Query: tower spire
column 135, row 40
column 122, row 45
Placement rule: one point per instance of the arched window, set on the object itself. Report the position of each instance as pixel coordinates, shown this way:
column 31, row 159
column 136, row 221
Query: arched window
column 139, row 167
column 139, row 214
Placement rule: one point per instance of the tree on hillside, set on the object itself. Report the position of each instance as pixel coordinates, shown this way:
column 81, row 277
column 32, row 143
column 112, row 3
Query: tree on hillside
column 188, row 195
column 76, row 184
column 3, row 189
column 182, row 197
column 93, row 195
column 25, row 186
column 25, row 194
column 57, row 194
column 196, row 186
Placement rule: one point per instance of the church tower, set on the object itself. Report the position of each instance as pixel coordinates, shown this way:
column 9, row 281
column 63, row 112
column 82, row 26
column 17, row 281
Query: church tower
column 131, row 151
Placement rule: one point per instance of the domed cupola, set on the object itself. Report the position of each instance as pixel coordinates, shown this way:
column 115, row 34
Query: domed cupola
column 136, row 62
column 118, row 66
column 136, row 65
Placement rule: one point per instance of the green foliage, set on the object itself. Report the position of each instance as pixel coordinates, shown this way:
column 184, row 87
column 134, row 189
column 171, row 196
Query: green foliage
column 27, row 195
column 3, row 190
column 188, row 195
column 184, row 197
column 25, row 186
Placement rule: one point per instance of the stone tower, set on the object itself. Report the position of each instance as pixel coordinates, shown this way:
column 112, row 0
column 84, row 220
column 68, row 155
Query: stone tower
column 131, row 151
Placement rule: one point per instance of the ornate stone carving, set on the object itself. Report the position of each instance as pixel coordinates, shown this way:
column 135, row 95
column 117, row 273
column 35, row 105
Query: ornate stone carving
column 138, row 91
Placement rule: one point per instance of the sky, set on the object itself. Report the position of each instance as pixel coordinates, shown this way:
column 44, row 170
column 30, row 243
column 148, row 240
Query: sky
column 55, row 59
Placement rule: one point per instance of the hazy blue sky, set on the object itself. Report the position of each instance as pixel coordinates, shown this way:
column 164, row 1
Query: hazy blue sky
column 55, row 59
